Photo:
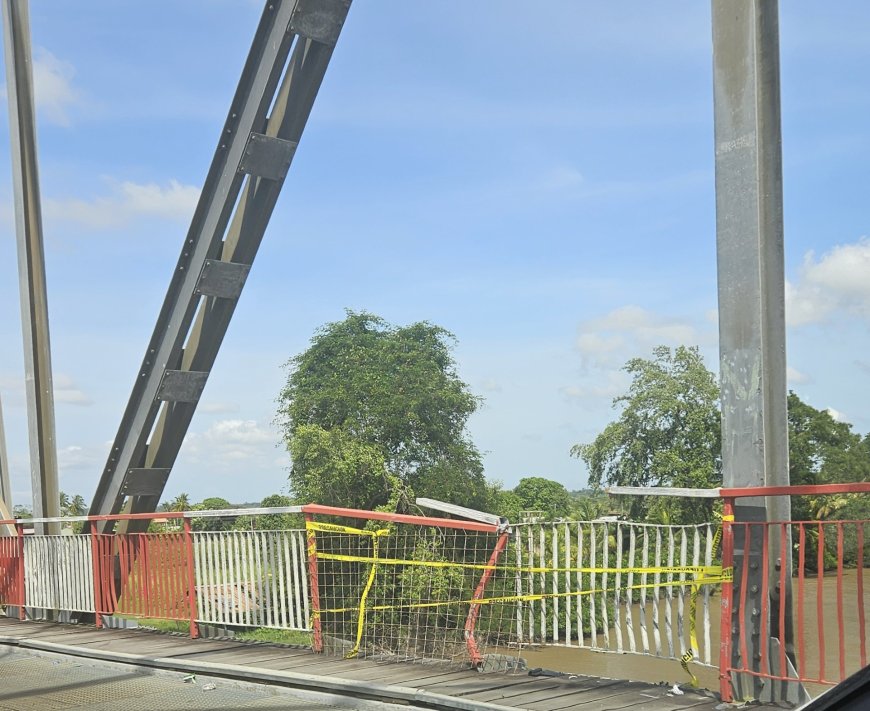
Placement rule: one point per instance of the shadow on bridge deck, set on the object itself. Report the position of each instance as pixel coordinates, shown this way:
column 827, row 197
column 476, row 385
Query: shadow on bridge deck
column 421, row 685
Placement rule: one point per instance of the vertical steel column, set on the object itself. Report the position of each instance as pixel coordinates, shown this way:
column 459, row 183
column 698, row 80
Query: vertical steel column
column 31, row 263
column 749, row 238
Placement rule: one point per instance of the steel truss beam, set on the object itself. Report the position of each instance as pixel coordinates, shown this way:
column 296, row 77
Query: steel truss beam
column 285, row 67
column 31, row 265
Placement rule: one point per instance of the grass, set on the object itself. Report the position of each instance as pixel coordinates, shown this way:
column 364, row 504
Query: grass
column 263, row 634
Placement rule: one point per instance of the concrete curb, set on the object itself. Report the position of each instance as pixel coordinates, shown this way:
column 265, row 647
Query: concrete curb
column 310, row 682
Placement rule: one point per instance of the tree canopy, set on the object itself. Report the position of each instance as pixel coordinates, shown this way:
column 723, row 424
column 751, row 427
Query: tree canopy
column 373, row 414
column 668, row 432
column 539, row 494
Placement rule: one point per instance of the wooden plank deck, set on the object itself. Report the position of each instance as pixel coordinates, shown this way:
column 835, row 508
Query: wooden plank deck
column 433, row 685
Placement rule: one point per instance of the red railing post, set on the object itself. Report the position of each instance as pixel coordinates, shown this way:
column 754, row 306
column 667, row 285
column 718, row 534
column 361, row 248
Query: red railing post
column 861, row 622
column 191, row 578
column 726, row 602
column 313, row 585
column 474, row 610
column 98, row 583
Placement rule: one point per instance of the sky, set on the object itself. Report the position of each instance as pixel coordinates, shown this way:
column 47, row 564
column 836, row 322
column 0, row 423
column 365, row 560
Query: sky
column 537, row 179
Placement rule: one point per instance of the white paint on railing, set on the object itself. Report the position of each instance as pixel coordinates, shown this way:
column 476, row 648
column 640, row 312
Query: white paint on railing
column 598, row 585
column 252, row 578
column 59, row 573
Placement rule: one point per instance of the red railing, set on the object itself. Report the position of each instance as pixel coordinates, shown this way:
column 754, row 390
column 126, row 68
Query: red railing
column 148, row 575
column 144, row 575
column 827, row 584
column 12, row 571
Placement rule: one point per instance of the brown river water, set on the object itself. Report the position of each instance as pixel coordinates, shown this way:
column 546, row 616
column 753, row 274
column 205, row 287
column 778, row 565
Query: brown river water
column 638, row 667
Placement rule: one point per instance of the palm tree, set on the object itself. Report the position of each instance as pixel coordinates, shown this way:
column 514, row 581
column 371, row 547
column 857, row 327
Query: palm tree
column 180, row 503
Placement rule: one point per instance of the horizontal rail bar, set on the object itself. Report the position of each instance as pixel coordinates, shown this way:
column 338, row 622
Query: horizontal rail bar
column 663, row 491
column 860, row 487
column 455, row 510
column 211, row 513
column 399, row 518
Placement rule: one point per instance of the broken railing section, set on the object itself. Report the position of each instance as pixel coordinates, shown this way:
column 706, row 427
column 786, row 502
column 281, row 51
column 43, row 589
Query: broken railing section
column 285, row 67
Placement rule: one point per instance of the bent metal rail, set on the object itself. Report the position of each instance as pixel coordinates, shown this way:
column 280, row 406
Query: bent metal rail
column 392, row 586
column 366, row 583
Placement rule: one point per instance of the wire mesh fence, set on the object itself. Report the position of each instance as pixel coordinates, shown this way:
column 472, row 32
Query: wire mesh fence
column 410, row 591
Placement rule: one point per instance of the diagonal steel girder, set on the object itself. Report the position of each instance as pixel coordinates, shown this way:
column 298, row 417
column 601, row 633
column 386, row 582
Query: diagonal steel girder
column 285, row 67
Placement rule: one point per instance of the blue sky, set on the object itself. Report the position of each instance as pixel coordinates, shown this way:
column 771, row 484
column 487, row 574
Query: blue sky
column 537, row 178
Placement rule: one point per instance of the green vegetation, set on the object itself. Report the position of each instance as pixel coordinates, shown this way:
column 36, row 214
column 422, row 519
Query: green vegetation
column 668, row 433
column 375, row 414
column 273, row 636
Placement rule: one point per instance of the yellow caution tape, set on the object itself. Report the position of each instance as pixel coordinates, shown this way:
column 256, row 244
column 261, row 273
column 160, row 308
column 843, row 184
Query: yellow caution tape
column 530, row 597
column 335, row 528
column 703, row 575
column 693, row 607
column 362, row 602
column 676, row 570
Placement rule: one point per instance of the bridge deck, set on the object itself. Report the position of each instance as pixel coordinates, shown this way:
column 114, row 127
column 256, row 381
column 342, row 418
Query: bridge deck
column 426, row 685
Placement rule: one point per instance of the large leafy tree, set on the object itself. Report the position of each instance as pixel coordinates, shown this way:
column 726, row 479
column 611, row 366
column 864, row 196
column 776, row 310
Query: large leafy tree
column 668, row 433
column 823, row 450
column 539, row 494
column 373, row 414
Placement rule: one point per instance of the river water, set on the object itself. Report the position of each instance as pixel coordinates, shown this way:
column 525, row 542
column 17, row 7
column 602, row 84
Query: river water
column 652, row 669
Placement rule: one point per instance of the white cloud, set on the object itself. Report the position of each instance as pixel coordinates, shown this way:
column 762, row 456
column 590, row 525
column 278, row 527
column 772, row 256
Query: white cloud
column 53, row 87
column 793, row 375
column 127, row 201
column 627, row 331
column 835, row 414
column 81, row 457
column 66, row 391
column 219, row 408
column 228, row 442
column 607, row 386
column 838, row 281
column 53, row 90
column 490, row 385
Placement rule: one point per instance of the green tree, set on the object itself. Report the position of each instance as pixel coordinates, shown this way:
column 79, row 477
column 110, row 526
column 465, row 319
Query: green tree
column 179, row 503
column 539, row 494
column 822, row 450
column 271, row 522
column 668, row 433
column 372, row 413
column 212, row 523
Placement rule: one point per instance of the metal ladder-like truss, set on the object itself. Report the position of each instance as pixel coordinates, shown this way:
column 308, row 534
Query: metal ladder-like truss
column 285, row 67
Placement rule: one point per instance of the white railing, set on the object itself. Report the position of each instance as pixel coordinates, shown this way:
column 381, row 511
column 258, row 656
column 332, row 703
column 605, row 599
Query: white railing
column 60, row 573
column 252, row 579
column 594, row 585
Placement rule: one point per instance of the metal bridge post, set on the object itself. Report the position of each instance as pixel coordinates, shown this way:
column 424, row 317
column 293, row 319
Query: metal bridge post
column 749, row 239
column 31, row 264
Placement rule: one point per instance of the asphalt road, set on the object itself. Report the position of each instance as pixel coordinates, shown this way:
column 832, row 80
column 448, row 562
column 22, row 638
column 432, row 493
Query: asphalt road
column 40, row 682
